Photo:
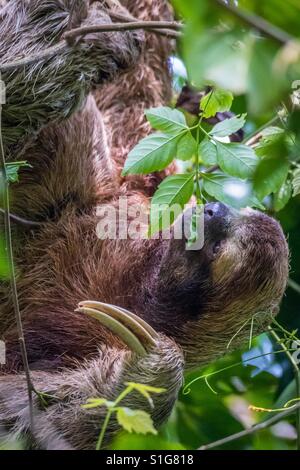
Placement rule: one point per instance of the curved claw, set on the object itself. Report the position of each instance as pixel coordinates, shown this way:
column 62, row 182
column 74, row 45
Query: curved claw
column 134, row 331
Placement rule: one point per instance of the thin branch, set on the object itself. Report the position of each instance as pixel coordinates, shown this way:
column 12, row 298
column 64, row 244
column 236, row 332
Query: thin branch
column 63, row 45
column 133, row 25
column 256, row 135
column 20, row 220
column 260, row 24
column 212, row 169
column 129, row 18
column 13, row 284
column 43, row 55
column 257, row 427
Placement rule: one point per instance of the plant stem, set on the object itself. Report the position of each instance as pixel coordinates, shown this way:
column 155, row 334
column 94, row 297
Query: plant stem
column 110, row 411
column 186, row 389
column 254, row 134
column 13, row 284
column 198, row 192
column 257, row 427
column 297, row 378
column 103, row 429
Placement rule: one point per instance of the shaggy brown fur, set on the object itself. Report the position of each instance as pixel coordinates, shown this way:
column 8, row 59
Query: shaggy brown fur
column 195, row 300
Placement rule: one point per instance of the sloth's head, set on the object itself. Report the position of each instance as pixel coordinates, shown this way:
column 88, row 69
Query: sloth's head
column 238, row 278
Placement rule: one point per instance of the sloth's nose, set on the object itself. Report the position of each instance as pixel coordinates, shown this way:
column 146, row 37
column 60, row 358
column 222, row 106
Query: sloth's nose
column 215, row 210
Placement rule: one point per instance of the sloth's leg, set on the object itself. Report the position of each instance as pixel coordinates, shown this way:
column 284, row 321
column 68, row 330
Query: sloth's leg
column 64, row 423
column 51, row 89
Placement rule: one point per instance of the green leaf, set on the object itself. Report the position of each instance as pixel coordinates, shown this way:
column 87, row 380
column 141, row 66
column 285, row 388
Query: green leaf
column 175, row 189
column 216, row 101
column 229, row 190
column 237, row 159
column 272, row 143
column 145, row 390
column 228, row 126
column 265, row 85
column 269, row 176
column 296, row 182
column 96, row 402
column 208, row 152
column 218, row 58
column 135, row 421
column 186, row 147
column 167, row 120
column 13, row 168
column 283, row 195
column 153, row 153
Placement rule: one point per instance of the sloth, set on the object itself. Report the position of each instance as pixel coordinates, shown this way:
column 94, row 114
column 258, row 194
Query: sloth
column 100, row 313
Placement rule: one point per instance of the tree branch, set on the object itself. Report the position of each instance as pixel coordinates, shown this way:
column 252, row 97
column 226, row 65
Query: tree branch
column 128, row 19
column 257, row 427
column 131, row 26
column 171, row 29
column 260, row 24
column 20, row 220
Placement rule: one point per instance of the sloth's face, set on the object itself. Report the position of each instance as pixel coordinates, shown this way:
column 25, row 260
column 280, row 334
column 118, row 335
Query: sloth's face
column 237, row 278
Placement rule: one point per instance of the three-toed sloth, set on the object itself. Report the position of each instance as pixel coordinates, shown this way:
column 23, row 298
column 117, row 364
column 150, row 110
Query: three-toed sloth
column 187, row 304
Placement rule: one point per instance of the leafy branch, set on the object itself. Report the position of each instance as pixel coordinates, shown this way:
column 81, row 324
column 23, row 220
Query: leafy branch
column 131, row 420
column 218, row 166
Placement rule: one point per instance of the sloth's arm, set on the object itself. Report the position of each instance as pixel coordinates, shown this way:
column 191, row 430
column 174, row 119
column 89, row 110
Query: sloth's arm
column 65, row 424
column 52, row 89
column 70, row 163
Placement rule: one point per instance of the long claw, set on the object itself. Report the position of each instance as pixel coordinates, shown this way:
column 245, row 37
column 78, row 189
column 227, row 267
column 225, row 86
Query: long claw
column 134, row 331
column 116, row 327
column 138, row 326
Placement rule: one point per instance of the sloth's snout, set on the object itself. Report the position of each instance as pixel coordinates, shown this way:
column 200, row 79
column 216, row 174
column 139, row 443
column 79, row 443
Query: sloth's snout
column 215, row 210
column 217, row 217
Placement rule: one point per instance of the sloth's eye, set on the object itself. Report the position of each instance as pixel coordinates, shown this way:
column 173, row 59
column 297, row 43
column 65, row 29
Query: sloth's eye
column 217, row 246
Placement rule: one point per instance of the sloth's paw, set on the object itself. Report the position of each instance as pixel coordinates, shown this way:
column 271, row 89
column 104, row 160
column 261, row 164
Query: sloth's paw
column 138, row 335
